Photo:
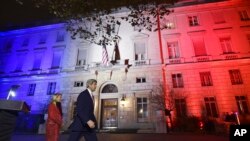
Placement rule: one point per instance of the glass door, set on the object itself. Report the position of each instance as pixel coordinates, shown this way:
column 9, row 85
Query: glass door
column 109, row 113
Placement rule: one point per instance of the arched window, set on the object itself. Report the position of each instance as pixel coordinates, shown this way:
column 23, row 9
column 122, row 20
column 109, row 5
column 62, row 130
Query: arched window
column 110, row 88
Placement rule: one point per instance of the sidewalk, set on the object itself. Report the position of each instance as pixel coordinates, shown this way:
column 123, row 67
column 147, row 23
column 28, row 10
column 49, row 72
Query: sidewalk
column 131, row 137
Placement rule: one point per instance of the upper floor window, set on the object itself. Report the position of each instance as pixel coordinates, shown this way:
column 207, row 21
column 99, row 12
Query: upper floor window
column 78, row 84
column 140, row 51
column 31, row 89
column 140, row 80
column 211, row 106
column 206, row 79
column 177, row 80
column 60, row 36
column 242, row 104
column 37, row 60
column 226, row 45
column 81, row 57
column 248, row 39
column 235, row 77
column 56, row 59
column 25, row 42
column 51, row 88
column 193, row 21
column 181, row 107
column 8, row 45
column 199, row 46
column 218, row 17
column 42, row 39
column 173, row 50
column 244, row 16
column 142, row 109
column 20, row 61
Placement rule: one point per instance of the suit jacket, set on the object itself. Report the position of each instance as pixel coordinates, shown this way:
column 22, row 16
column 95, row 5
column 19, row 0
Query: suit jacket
column 84, row 112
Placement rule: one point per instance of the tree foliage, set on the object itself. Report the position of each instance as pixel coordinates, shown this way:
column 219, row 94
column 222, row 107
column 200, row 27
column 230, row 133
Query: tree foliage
column 93, row 20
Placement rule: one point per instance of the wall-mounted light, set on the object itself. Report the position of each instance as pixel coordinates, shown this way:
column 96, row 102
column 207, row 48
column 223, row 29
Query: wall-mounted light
column 123, row 97
column 12, row 91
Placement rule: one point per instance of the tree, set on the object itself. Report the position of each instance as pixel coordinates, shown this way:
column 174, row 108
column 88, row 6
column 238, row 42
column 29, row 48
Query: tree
column 92, row 20
column 162, row 101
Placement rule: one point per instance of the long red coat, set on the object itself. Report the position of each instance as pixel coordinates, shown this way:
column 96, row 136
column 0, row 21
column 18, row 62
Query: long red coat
column 54, row 123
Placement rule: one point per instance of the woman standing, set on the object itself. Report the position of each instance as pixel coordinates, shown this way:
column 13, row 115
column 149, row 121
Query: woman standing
column 54, row 120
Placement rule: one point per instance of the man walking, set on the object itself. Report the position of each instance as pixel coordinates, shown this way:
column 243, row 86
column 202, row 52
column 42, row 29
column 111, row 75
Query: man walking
column 84, row 123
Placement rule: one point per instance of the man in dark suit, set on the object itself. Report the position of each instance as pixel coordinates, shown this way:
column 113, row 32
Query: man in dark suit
column 84, row 123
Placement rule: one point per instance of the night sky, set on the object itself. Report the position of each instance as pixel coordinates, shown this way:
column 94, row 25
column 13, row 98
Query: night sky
column 14, row 15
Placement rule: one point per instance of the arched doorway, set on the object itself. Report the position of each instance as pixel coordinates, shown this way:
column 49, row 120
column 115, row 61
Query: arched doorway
column 109, row 108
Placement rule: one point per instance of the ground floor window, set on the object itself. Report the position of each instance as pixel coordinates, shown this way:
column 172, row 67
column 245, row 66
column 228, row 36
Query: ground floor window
column 142, row 109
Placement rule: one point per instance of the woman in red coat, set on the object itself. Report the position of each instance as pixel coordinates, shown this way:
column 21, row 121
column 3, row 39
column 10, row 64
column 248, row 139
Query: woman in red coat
column 54, row 120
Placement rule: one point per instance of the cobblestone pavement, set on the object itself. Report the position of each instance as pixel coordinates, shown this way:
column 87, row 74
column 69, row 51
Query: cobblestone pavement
column 131, row 137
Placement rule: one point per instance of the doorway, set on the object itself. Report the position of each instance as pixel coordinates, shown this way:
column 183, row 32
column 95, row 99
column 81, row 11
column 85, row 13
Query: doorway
column 109, row 113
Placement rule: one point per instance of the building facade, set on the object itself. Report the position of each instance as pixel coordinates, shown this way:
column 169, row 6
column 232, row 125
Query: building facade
column 205, row 67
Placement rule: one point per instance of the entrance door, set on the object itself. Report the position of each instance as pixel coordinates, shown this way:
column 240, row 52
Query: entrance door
column 109, row 113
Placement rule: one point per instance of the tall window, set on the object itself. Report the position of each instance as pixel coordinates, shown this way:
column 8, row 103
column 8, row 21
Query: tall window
column 25, row 42
column 226, row 45
column 218, row 17
column 173, row 50
column 8, row 45
column 248, row 39
column 140, row 51
column 206, row 79
column 181, row 107
column 60, row 36
column 37, row 60
column 177, row 80
column 244, row 16
column 235, row 77
column 81, row 57
column 199, row 46
column 2, row 65
column 20, row 60
column 31, row 89
column 56, row 59
column 211, row 106
column 242, row 104
column 193, row 21
column 142, row 109
column 51, row 88
column 42, row 39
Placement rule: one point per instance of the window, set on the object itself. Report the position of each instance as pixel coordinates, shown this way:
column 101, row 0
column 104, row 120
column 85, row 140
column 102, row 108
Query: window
column 226, row 45
column 244, row 15
column 140, row 80
column 60, row 36
column 235, row 77
column 142, row 109
column 199, row 46
column 193, row 20
column 110, row 88
column 173, row 50
column 25, row 42
column 8, row 45
column 248, row 39
column 177, row 80
column 42, row 39
column 56, row 59
column 20, row 60
column 78, row 84
column 51, row 88
column 140, row 51
column 81, row 57
column 2, row 65
column 31, row 90
column 180, row 105
column 218, row 17
column 242, row 104
column 211, row 107
column 37, row 60
column 206, row 79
